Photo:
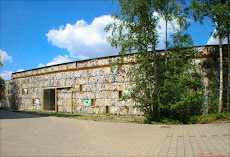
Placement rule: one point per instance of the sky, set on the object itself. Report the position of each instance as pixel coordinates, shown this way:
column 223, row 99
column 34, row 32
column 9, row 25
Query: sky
column 42, row 33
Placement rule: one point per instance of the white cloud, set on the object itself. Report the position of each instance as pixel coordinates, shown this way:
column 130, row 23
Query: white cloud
column 84, row 40
column 215, row 41
column 82, row 57
column 58, row 60
column 7, row 75
column 5, row 58
column 19, row 70
column 41, row 65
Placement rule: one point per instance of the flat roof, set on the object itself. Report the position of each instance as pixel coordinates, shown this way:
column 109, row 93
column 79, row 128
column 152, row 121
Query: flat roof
column 96, row 58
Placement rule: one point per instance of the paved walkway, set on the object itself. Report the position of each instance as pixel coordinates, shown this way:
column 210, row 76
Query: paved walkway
column 32, row 135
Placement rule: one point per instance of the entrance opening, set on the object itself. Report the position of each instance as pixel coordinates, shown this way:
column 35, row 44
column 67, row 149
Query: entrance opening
column 49, row 99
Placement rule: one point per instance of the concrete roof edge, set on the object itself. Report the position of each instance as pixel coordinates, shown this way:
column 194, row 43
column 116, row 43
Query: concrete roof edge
column 96, row 58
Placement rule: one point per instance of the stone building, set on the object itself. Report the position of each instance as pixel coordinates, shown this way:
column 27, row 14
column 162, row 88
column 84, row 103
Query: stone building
column 88, row 86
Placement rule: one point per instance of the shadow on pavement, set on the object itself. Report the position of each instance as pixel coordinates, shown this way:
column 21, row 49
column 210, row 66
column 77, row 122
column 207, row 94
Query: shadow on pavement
column 18, row 115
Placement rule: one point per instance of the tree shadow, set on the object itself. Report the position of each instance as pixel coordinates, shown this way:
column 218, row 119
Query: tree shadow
column 211, row 67
column 18, row 115
column 14, row 99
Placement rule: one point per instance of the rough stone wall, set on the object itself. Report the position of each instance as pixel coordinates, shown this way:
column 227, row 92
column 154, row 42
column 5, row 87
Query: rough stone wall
column 97, row 80
column 64, row 100
column 208, row 66
column 99, row 83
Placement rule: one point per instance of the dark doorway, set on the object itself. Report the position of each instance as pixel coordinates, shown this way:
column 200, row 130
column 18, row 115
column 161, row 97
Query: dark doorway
column 49, row 99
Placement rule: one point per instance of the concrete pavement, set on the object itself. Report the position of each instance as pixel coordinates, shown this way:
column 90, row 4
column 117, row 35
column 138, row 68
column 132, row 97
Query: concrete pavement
column 25, row 134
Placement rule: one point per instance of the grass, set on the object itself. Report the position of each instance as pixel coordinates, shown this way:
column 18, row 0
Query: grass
column 211, row 118
column 94, row 117
column 163, row 121
column 111, row 118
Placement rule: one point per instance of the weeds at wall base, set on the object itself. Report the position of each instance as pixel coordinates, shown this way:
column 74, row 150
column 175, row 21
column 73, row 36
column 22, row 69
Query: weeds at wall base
column 211, row 118
column 94, row 117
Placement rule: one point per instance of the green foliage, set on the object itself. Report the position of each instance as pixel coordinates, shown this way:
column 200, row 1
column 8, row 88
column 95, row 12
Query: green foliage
column 1, row 65
column 14, row 98
column 136, row 31
column 212, row 69
column 165, row 85
column 2, row 89
column 166, row 121
column 179, row 82
column 2, row 86
column 218, row 11
column 195, row 119
column 170, row 122
column 210, row 118
column 136, row 27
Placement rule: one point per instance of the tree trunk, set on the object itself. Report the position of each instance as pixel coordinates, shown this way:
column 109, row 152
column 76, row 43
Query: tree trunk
column 220, row 106
column 166, row 34
column 228, row 77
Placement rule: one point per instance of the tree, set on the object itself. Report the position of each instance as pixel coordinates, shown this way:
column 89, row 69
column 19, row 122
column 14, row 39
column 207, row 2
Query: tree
column 14, row 99
column 163, row 90
column 226, row 33
column 218, row 11
column 172, row 9
column 180, row 81
column 136, row 31
column 2, row 87
column 2, row 90
column 165, row 9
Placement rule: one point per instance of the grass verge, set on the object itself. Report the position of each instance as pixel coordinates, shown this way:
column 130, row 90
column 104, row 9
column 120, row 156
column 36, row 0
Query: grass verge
column 211, row 118
column 94, row 117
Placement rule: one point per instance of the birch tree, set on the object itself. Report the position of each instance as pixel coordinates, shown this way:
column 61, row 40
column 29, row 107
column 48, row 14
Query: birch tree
column 218, row 11
column 162, row 90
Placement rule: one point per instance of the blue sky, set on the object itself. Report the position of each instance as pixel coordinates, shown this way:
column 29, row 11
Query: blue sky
column 42, row 33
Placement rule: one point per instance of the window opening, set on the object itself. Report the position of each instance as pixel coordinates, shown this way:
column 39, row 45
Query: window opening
column 92, row 102
column 120, row 94
column 80, row 88
column 107, row 110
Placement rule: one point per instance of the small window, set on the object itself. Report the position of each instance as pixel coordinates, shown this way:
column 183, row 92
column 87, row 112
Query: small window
column 24, row 91
column 92, row 102
column 80, row 88
column 107, row 112
column 120, row 94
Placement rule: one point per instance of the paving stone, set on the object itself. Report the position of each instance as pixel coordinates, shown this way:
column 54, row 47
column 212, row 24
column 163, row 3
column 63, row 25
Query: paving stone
column 32, row 135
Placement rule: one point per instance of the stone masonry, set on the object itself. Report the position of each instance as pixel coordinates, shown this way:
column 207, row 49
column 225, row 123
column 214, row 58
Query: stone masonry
column 88, row 86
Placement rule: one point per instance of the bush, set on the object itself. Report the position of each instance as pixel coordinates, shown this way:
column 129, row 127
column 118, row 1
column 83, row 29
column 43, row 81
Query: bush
column 209, row 119
column 170, row 121
column 194, row 119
